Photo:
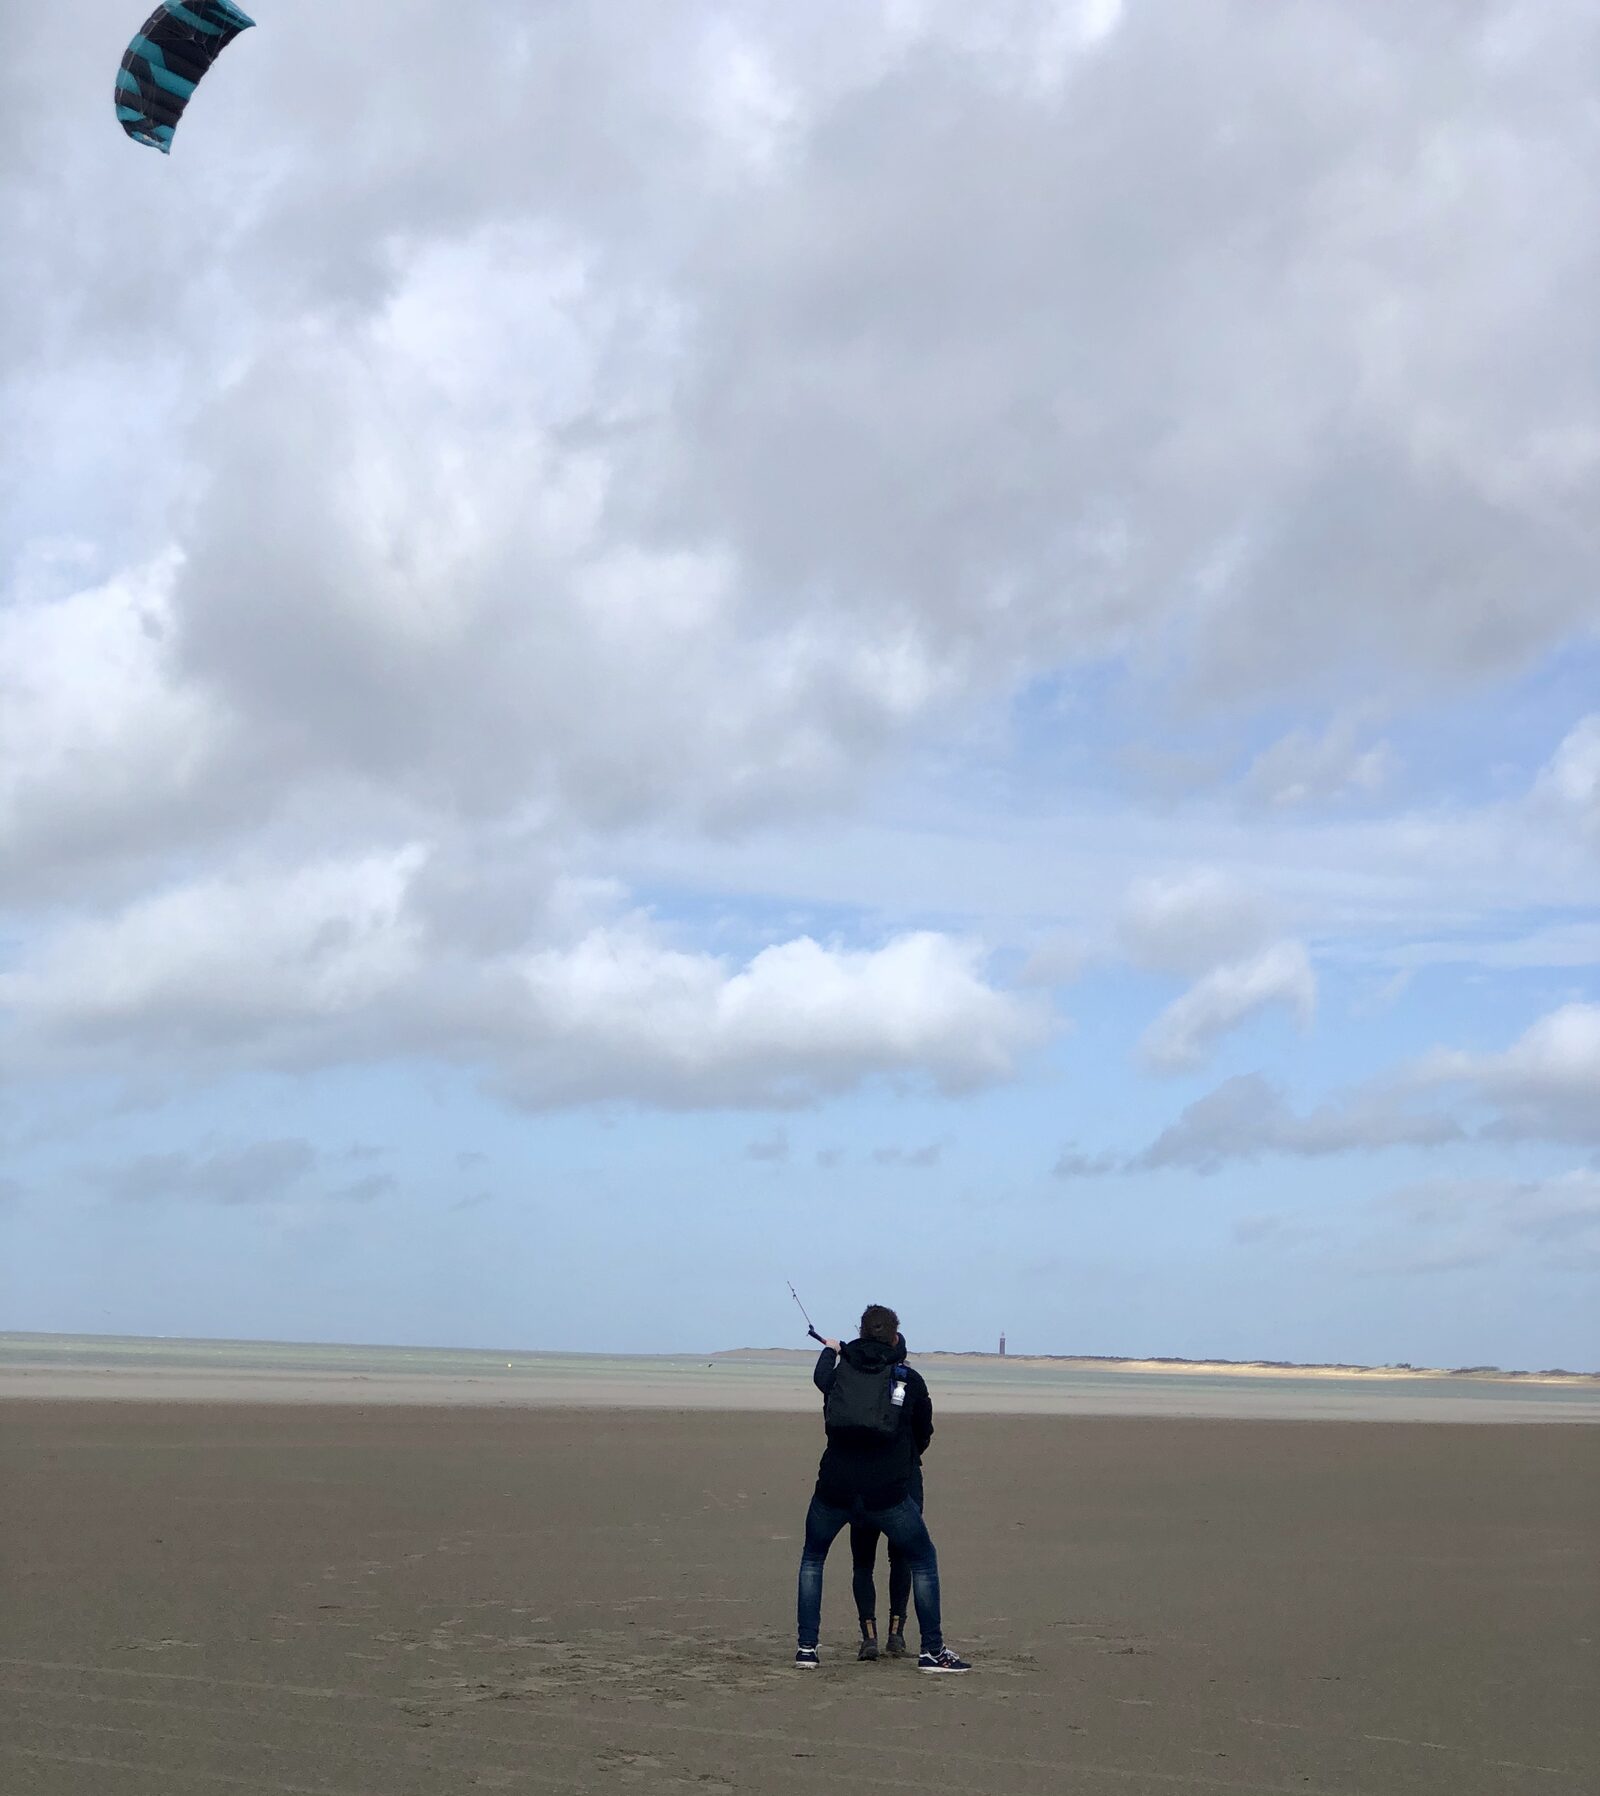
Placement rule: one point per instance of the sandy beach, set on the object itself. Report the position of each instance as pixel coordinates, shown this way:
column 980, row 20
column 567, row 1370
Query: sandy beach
column 388, row 1601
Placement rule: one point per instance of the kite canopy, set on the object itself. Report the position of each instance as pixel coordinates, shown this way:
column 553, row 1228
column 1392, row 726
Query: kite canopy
column 180, row 41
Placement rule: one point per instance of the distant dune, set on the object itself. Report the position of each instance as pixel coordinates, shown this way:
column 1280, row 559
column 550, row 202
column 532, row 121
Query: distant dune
column 1239, row 1368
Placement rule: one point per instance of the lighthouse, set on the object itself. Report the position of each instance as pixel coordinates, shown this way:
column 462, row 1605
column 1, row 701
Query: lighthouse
column 1002, row 1346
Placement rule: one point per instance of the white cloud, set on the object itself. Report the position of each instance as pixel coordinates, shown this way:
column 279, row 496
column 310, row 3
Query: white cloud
column 396, row 577
column 1056, row 960
column 103, row 754
column 620, row 1015
column 1247, row 1117
column 1571, row 781
column 1563, row 1211
column 1205, row 922
column 344, row 961
column 696, row 389
column 1180, row 1038
column 1545, row 1086
column 1190, row 922
column 707, row 417
column 257, row 965
column 1304, row 768
column 1443, row 1224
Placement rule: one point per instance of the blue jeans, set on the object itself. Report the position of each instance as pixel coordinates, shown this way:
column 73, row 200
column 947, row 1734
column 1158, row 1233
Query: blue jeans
column 864, row 1558
column 907, row 1533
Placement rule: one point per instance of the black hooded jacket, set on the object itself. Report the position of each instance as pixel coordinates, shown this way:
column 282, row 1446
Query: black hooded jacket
column 875, row 1471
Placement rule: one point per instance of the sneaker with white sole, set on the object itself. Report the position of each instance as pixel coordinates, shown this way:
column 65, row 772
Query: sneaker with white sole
column 945, row 1661
column 805, row 1658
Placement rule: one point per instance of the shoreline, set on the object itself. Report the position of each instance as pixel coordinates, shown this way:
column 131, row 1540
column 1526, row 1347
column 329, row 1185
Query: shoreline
column 1211, row 1368
column 143, row 1370
column 76, row 1349
column 755, row 1389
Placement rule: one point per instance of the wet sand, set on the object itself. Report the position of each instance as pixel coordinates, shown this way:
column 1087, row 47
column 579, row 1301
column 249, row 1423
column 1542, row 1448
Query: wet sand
column 402, row 1602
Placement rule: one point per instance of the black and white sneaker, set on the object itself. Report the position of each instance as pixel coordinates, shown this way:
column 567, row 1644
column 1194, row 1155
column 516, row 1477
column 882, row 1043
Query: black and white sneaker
column 945, row 1661
column 805, row 1658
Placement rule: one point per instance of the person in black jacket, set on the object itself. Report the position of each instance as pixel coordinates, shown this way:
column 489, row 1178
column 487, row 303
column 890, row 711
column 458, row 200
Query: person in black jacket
column 865, row 1535
column 878, row 1416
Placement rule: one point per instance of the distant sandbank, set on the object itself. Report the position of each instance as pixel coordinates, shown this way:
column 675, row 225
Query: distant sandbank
column 1212, row 1368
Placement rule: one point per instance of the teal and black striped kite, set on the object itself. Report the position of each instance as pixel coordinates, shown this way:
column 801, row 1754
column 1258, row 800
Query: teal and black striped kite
column 180, row 41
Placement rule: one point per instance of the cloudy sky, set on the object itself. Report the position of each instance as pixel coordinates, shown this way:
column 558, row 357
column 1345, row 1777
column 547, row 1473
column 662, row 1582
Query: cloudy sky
column 951, row 653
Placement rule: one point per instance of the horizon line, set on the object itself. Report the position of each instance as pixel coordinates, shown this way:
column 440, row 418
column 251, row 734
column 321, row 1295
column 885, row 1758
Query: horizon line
column 1106, row 1359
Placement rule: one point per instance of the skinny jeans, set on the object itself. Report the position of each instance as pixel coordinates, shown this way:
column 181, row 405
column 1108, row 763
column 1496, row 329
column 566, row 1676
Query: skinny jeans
column 906, row 1532
column 864, row 1537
